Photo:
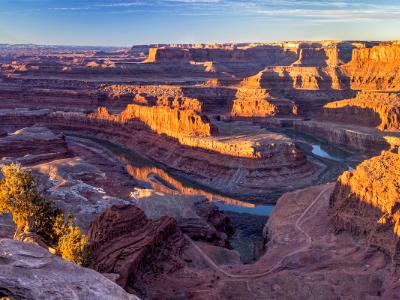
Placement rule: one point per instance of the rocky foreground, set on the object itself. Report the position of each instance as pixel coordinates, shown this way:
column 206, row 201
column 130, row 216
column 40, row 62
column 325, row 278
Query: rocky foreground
column 28, row 271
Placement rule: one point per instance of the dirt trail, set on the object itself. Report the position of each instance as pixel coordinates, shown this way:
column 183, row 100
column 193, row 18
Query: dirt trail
column 298, row 227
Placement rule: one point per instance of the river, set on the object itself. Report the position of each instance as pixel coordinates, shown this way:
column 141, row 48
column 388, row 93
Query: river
column 148, row 171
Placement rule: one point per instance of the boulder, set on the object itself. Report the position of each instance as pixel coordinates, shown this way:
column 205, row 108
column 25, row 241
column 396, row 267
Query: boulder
column 28, row 271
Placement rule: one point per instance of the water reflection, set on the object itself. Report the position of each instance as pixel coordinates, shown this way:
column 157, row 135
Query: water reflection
column 317, row 150
column 322, row 148
column 259, row 210
column 160, row 178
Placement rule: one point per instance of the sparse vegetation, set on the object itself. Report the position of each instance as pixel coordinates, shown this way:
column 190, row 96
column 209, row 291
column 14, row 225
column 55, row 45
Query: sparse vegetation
column 72, row 244
column 31, row 212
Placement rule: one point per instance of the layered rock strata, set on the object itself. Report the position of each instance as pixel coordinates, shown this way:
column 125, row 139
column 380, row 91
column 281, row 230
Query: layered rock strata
column 211, row 162
column 366, row 203
column 381, row 110
column 253, row 103
column 374, row 68
column 124, row 241
column 33, row 144
column 161, row 119
column 355, row 137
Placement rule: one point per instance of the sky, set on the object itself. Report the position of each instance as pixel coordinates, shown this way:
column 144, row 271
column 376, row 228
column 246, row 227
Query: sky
column 130, row 22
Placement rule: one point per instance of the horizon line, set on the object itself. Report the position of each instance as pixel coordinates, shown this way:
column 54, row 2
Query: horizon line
column 198, row 43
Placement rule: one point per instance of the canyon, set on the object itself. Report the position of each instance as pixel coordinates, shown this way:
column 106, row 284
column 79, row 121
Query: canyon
column 210, row 171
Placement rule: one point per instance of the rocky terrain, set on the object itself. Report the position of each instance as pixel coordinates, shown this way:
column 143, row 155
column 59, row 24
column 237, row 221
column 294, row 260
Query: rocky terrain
column 33, row 144
column 124, row 241
column 366, row 203
column 31, row 272
column 173, row 157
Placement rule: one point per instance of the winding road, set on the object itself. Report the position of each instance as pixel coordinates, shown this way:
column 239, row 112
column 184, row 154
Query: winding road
column 298, row 227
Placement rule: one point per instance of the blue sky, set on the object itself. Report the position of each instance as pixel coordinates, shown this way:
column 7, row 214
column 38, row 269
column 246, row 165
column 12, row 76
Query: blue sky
column 128, row 22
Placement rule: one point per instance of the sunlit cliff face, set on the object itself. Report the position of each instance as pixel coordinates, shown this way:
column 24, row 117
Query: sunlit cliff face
column 366, row 201
column 164, row 120
column 373, row 109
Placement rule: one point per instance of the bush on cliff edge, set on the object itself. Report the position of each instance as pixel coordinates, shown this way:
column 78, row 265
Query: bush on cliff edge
column 33, row 213
column 72, row 244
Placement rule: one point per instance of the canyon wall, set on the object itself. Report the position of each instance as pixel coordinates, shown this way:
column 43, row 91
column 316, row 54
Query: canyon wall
column 353, row 138
column 269, row 54
column 267, row 166
column 366, row 203
column 372, row 109
column 32, row 145
column 125, row 242
column 252, row 103
column 161, row 119
column 374, row 68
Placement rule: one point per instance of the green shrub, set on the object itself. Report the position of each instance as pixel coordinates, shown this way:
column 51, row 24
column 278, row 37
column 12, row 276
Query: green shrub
column 72, row 244
column 31, row 212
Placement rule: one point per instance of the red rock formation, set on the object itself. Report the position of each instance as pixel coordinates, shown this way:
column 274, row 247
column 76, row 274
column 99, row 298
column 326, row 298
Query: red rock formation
column 381, row 110
column 173, row 122
column 237, row 167
column 216, row 100
column 168, row 55
column 273, row 54
column 366, row 202
column 221, row 226
column 375, row 68
column 300, row 78
column 322, row 57
column 257, row 102
column 33, row 144
column 124, row 241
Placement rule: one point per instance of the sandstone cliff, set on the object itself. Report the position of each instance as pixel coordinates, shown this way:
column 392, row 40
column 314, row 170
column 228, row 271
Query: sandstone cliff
column 375, row 68
column 161, row 119
column 373, row 109
column 366, row 202
column 272, row 54
column 253, row 101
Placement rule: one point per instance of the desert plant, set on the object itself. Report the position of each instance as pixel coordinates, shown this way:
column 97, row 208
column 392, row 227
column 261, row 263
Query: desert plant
column 72, row 244
column 31, row 212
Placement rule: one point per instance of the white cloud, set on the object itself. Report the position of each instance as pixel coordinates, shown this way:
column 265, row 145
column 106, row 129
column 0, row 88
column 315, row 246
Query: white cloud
column 308, row 10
